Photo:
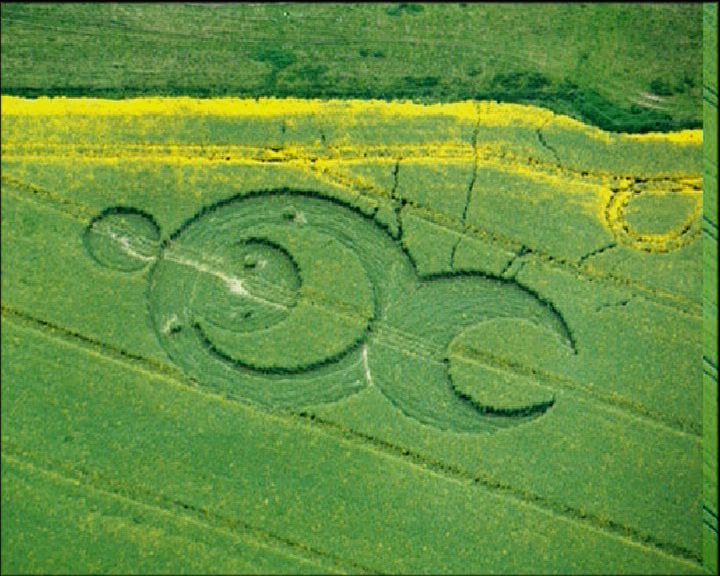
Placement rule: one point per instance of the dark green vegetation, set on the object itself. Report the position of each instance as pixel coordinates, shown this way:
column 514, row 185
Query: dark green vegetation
column 623, row 67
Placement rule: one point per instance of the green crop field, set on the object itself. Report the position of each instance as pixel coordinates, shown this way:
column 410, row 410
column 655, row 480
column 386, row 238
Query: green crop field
column 386, row 288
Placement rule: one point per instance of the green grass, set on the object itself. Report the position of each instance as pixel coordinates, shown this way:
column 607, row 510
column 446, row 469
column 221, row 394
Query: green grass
column 624, row 67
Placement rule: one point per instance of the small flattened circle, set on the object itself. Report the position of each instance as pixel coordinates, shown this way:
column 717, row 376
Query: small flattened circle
column 124, row 239
column 657, row 215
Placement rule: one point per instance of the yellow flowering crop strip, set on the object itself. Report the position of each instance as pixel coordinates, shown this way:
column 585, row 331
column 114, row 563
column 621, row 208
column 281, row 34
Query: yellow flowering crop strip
column 93, row 125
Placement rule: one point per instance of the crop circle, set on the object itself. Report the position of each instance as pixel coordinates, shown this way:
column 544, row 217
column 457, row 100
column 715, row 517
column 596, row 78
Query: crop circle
column 122, row 238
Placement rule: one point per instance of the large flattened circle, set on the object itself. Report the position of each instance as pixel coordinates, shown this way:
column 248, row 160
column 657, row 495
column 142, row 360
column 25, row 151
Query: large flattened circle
column 291, row 271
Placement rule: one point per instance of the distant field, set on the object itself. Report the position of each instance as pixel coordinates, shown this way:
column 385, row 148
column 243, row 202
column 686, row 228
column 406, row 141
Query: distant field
column 623, row 67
